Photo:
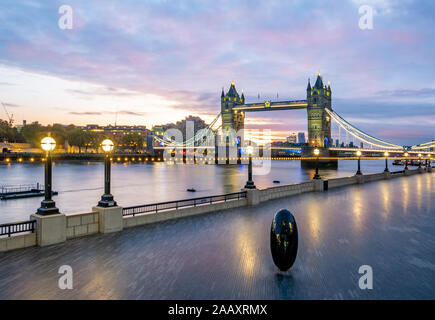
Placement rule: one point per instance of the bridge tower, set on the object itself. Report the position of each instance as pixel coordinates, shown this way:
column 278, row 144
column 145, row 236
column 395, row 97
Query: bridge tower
column 319, row 123
column 232, row 119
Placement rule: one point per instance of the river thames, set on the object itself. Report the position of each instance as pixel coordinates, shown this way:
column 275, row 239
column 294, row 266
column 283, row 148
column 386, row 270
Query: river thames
column 80, row 184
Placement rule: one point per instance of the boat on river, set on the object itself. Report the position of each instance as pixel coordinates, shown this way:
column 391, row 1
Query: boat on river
column 22, row 191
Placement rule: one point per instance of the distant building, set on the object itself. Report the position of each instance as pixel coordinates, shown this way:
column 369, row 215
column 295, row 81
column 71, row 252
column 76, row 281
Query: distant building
column 21, row 126
column 93, row 127
column 158, row 131
column 292, row 138
column 116, row 132
column 285, row 149
column 301, row 137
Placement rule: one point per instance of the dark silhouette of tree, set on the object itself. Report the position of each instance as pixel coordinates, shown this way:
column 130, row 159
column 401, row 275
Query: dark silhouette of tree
column 8, row 133
column 133, row 141
column 78, row 138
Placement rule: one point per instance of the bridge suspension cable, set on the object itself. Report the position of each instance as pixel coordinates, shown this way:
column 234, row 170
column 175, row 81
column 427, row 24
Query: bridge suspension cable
column 203, row 135
column 426, row 145
column 359, row 134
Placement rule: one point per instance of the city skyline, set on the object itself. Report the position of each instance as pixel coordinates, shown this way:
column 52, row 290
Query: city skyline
column 159, row 62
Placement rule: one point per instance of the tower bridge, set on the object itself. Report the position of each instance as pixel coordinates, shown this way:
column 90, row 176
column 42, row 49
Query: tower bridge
column 234, row 108
column 320, row 116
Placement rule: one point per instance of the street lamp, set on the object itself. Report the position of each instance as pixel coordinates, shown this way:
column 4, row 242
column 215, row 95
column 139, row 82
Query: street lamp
column 386, row 154
column 419, row 160
column 48, row 206
column 107, row 198
column 406, row 160
column 427, row 162
column 250, row 184
column 358, row 153
column 316, row 153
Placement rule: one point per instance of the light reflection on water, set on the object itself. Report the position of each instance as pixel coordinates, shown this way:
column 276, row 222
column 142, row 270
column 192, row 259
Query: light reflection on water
column 80, row 185
column 386, row 200
column 314, row 216
column 357, row 210
column 405, row 194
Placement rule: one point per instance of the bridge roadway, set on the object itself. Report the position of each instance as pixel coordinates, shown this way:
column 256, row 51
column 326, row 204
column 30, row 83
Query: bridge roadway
column 389, row 225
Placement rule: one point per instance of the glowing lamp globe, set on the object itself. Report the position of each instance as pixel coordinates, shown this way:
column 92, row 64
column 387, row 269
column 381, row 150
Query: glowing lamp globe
column 358, row 153
column 250, row 150
column 107, row 145
column 406, row 154
column 386, row 154
column 48, row 144
column 419, row 155
column 316, row 152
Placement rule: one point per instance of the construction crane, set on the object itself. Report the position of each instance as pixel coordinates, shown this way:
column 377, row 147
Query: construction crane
column 10, row 117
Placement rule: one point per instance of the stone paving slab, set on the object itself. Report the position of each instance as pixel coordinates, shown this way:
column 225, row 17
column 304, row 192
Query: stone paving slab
column 389, row 225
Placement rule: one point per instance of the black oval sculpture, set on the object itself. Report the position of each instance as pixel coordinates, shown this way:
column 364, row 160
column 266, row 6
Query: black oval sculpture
column 284, row 239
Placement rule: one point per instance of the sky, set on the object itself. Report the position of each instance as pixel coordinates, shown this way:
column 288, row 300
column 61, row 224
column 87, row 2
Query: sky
column 150, row 62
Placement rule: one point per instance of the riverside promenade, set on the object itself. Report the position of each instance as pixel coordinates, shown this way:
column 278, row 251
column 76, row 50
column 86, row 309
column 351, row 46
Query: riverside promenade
column 387, row 224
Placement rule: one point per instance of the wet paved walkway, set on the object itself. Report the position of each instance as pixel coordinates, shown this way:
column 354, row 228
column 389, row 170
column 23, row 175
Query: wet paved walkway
column 389, row 225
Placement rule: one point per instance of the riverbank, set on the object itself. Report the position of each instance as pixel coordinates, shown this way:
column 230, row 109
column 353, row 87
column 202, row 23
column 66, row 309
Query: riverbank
column 387, row 225
column 103, row 220
column 117, row 157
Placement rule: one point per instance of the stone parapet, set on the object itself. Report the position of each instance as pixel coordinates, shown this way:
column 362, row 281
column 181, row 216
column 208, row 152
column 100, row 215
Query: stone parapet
column 109, row 219
column 50, row 229
column 81, row 224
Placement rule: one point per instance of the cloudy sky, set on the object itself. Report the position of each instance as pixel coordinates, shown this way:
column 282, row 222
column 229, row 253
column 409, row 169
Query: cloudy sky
column 156, row 61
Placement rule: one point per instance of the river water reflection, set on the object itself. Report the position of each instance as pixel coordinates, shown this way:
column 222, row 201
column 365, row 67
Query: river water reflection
column 80, row 184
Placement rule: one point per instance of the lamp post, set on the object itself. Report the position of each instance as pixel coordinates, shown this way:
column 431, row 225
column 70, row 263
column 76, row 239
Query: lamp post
column 406, row 160
column 48, row 206
column 386, row 154
column 419, row 160
column 427, row 162
column 358, row 172
column 250, row 184
column 107, row 198
column 316, row 153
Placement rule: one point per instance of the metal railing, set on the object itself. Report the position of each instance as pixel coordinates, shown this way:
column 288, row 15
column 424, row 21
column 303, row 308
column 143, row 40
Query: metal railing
column 21, row 188
column 161, row 206
column 17, row 227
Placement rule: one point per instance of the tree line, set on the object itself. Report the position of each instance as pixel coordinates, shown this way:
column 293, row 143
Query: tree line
column 83, row 139
column 75, row 136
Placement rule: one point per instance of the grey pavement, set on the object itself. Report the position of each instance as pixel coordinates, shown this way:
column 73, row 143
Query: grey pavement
column 389, row 225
